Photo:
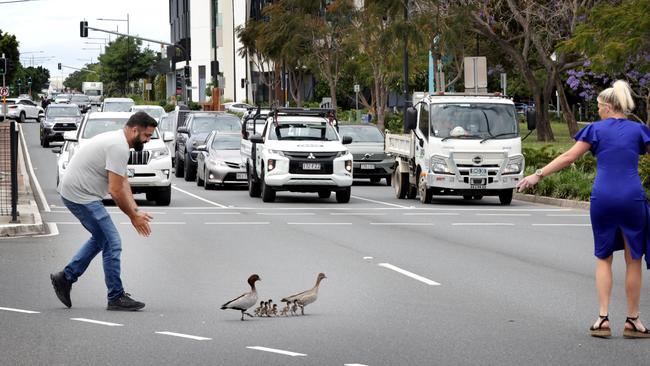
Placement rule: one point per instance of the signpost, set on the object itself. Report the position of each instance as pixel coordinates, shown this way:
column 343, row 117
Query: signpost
column 4, row 91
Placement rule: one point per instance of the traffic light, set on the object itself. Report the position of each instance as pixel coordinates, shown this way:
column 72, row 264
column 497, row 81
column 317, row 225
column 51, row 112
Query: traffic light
column 3, row 66
column 29, row 80
column 214, row 67
column 243, row 83
column 83, row 29
column 59, row 66
column 187, row 71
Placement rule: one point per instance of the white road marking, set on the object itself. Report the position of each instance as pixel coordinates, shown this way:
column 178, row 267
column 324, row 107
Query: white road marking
column 160, row 223
column 380, row 202
column 431, row 214
column 566, row 215
column 402, row 223
column 20, row 311
column 211, row 213
column 97, row 322
column 409, row 274
column 368, row 258
column 53, row 229
column 482, row 224
column 188, row 336
column 239, row 223
column 198, row 198
column 561, row 224
column 30, row 168
column 286, row 213
column 354, row 364
column 273, row 350
column 319, row 223
column 502, row 214
column 357, row 214
column 66, row 222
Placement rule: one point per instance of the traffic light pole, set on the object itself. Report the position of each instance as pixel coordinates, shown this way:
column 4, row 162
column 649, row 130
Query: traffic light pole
column 4, row 99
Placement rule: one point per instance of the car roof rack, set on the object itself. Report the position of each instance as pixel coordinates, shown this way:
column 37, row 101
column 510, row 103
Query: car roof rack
column 314, row 112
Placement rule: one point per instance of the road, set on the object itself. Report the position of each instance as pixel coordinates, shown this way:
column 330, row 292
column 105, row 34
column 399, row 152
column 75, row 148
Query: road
column 451, row 283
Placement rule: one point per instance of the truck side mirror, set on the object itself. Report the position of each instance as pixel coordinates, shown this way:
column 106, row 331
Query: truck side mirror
column 410, row 119
column 531, row 119
column 183, row 129
column 347, row 140
column 258, row 139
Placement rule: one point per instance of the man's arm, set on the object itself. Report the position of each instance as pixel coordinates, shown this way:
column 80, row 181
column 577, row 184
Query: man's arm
column 120, row 190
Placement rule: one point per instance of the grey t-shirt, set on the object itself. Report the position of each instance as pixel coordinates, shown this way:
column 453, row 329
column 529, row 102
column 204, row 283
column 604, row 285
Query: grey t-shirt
column 86, row 178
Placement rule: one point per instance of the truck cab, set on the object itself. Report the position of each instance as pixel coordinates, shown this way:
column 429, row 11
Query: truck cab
column 458, row 144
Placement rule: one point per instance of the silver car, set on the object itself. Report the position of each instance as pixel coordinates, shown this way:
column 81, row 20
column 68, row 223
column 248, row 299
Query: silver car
column 367, row 147
column 219, row 161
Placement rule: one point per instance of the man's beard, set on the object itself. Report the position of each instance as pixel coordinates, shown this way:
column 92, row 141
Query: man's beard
column 138, row 145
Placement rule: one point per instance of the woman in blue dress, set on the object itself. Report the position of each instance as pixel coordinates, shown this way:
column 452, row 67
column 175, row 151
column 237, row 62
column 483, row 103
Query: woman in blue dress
column 620, row 212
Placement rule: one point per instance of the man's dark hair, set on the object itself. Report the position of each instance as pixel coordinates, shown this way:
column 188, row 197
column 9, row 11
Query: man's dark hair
column 141, row 119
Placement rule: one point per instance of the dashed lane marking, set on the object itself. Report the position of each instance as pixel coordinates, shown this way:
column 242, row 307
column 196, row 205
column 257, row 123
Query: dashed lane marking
column 319, row 223
column 380, row 202
column 286, row 214
column 502, row 214
column 402, row 224
column 354, row 364
column 279, row 351
column 583, row 225
column 431, row 214
column 160, row 223
column 20, row 311
column 566, row 215
column 211, row 213
column 239, row 223
column 181, row 335
column 409, row 274
column 482, row 224
column 358, row 214
column 108, row 324
column 198, row 197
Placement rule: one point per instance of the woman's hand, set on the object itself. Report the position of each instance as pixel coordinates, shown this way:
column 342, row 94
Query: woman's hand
column 528, row 182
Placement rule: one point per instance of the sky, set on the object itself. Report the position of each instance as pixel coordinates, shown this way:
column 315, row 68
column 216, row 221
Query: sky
column 48, row 30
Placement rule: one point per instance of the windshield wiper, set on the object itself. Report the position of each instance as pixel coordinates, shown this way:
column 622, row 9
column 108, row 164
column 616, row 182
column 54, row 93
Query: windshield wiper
column 461, row 137
column 498, row 135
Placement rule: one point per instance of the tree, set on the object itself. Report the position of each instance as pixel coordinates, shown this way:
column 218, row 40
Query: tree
column 124, row 61
column 9, row 46
column 39, row 76
column 253, row 48
column 89, row 73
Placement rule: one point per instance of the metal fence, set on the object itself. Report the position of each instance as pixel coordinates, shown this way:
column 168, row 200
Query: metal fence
column 9, row 170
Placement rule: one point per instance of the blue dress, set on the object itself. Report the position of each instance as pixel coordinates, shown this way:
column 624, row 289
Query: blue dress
column 618, row 202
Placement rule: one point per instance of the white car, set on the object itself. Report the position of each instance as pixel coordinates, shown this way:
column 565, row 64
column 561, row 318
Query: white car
column 237, row 107
column 299, row 150
column 149, row 171
column 154, row 111
column 23, row 109
column 63, row 154
column 117, row 105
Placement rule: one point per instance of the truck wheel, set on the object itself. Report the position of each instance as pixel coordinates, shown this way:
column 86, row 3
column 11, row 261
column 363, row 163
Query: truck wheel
column 388, row 180
column 505, row 196
column 412, row 193
column 190, row 169
column 253, row 186
column 164, row 196
column 179, row 169
column 426, row 195
column 268, row 194
column 344, row 196
column 325, row 194
column 401, row 184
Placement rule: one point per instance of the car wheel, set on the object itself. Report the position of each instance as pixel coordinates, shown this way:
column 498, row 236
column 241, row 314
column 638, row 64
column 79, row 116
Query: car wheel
column 21, row 118
column 325, row 194
column 505, row 196
column 268, row 194
column 206, row 185
column 389, row 180
column 344, row 195
column 190, row 169
column 253, row 186
column 164, row 196
column 39, row 118
column 199, row 181
column 178, row 167
column 45, row 142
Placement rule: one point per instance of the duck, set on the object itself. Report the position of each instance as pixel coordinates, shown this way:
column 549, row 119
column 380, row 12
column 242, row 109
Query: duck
column 246, row 300
column 306, row 297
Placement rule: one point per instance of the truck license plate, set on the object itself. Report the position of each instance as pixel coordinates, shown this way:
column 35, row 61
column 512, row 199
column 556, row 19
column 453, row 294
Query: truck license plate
column 130, row 173
column 311, row 166
column 367, row 166
column 478, row 172
column 242, row 176
column 476, row 186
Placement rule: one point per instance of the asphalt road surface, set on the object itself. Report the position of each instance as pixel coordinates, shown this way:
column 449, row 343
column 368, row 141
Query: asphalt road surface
column 450, row 283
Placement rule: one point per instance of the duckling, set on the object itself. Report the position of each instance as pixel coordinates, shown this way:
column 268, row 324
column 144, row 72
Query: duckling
column 285, row 310
column 258, row 309
column 294, row 307
column 264, row 308
column 269, row 307
column 274, row 310
column 306, row 297
column 246, row 300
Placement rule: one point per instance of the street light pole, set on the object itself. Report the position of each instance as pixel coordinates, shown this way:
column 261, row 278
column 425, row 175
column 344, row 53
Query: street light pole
column 127, row 20
column 406, row 59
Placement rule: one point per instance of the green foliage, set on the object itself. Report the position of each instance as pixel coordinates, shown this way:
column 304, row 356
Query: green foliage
column 124, row 57
column 88, row 73
column 40, row 78
column 194, row 106
column 9, row 46
column 394, row 123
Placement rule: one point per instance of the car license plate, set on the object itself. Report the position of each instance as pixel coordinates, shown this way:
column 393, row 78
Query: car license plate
column 477, row 172
column 311, row 166
column 242, row 176
column 130, row 173
column 367, row 166
column 476, row 186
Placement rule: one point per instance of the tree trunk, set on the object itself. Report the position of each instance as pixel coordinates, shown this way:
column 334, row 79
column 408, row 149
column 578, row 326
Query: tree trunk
column 332, row 85
column 567, row 112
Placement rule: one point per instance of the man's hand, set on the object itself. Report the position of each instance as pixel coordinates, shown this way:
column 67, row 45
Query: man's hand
column 140, row 222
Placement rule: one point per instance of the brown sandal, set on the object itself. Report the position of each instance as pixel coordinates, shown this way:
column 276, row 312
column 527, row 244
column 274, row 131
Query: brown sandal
column 600, row 331
column 635, row 332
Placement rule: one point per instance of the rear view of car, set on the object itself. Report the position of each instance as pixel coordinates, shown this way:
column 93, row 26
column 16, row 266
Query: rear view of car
column 117, row 105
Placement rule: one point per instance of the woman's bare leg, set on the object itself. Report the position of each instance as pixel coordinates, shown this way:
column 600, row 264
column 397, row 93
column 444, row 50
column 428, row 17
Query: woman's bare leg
column 603, row 286
column 633, row 282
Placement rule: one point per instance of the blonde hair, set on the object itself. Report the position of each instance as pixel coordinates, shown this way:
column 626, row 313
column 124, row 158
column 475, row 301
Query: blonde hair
column 619, row 97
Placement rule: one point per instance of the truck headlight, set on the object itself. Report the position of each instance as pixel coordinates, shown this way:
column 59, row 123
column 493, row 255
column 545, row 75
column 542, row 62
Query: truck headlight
column 276, row 152
column 439, row 165
column 514, row 166
column 159, row 153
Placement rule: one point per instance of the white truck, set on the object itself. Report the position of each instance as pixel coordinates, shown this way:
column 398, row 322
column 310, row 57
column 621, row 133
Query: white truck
column 94, row 90
column 299, row 150
column 458, row 144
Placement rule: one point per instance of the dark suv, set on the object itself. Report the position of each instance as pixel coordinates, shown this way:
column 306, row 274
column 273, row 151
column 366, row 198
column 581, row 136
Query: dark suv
column 58, row 119
column 193, row 133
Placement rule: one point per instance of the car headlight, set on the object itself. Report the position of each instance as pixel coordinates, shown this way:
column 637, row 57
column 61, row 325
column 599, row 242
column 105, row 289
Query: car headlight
column 514, row 166
column 48, row 124
column 218, row 162
column 159, row 153
column 276, row 152
column 439, row 165
column 341, row 153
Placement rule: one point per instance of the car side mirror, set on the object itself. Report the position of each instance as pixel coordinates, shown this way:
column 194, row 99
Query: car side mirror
column 168, row 136
column 183, row 129
column 57, row 150
column 347, row 140
column 258, row 139
column 410, row 119
column 202, row 148
column 531, row 119
column 421, row 142
column 70, row 138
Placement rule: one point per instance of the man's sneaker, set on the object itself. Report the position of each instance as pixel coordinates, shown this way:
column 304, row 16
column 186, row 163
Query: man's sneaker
column 62, row 288
column 125, row 303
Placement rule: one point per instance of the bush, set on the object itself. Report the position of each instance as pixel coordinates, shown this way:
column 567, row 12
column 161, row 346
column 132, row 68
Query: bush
column 393, row 123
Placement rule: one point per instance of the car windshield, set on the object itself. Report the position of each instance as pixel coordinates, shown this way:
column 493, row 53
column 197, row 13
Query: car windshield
column 362, row 134
column 473, row 120
column 94, row 127
column 93, row 92
column 226, row 142
column 71, row 111
column 153, row 112
column 303, row 130
column 117, row 106
column 80, row 98
column 222, row 123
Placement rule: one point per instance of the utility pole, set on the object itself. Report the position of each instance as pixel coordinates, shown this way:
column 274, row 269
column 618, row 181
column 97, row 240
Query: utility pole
column 406, row 59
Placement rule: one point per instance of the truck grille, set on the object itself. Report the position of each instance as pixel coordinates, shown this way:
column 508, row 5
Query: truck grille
column 139, row 157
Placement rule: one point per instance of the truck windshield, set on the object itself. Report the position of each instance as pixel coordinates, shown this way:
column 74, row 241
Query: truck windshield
column 93, row 92
column 301, row 130
column 473, row 121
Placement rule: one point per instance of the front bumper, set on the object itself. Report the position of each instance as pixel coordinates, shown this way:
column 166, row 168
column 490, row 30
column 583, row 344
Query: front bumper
column 155, row 174
column 280, row 178
column 379, row 169
column 219, row 174
column 53, row 134
column 459, row 185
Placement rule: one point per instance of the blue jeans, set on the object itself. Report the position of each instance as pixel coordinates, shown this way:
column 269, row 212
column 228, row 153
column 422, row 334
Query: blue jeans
column 105, row 238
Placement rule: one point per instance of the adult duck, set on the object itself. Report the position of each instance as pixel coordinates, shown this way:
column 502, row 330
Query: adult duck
column 306, row 297
column 244, row 301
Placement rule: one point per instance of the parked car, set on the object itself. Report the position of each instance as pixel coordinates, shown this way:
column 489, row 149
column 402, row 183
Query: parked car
column 82, row 101
column 117, row 105
column 197, row 127
column 367, row 147
column 23, row 109
column 154, row 111
column 237, row 107
column 219, row 161
column 170, row 122
column 59, row 118
column 149, row 170
column 63, row 154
